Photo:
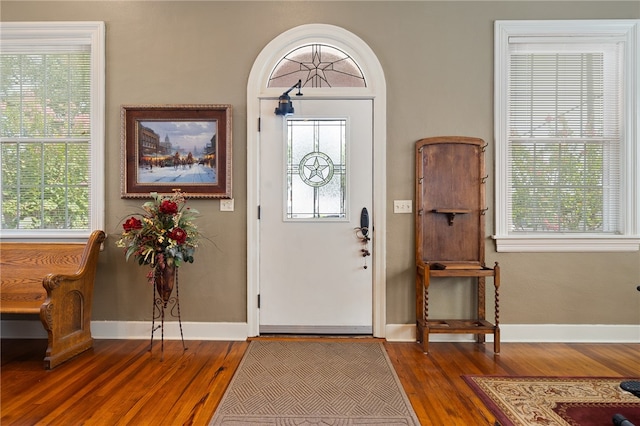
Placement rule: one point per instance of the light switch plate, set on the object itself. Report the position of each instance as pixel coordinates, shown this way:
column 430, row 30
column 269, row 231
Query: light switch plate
column 402, row 206
column 226, row 205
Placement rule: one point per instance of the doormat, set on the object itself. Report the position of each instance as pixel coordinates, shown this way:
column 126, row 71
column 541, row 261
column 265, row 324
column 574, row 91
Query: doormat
column 280, row 382
column 574, row 401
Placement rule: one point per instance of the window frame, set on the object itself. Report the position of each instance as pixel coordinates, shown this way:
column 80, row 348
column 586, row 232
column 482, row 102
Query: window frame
column 90, row 33
column 627, row 31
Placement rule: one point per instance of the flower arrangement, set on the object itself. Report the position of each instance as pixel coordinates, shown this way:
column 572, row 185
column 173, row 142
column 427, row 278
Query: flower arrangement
column 164, row 236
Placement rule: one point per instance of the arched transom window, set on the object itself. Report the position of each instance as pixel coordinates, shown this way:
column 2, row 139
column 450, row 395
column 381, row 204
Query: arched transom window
column 317, row 65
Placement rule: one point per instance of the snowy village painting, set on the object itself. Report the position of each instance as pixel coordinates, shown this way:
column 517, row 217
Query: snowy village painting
column 178, row 147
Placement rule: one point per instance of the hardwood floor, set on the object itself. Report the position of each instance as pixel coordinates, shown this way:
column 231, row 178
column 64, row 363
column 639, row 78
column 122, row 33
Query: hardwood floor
column 119, row 382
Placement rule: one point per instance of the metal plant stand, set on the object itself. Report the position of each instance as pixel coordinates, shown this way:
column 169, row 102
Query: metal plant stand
column 171, row 307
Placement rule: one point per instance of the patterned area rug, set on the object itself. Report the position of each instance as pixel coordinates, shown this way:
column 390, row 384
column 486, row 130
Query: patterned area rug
column 315, row 383
column 575, row 401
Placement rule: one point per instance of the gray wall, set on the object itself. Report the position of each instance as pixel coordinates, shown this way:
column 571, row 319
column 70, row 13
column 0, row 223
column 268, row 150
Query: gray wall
column 438, row 62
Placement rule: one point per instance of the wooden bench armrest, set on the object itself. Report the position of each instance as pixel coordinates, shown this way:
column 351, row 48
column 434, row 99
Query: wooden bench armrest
column 87, row 267
column 66, row 312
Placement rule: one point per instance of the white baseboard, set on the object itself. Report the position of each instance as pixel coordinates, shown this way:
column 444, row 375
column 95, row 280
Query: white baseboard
column 531, row 333
column 524, row 333
column 28, row 329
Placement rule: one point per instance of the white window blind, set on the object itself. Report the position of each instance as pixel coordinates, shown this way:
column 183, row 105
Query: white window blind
column 51, row 132
column 566, row 135
column 564, row 141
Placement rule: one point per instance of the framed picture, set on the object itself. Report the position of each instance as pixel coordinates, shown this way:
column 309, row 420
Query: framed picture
column 176, row 147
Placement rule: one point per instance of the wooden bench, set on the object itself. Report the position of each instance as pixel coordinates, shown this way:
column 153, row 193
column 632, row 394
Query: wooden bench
column 55, row 281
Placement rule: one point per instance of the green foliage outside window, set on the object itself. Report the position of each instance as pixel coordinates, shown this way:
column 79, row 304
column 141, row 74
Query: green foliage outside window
column 45, row 131
column 560, row 159
column 557, row 187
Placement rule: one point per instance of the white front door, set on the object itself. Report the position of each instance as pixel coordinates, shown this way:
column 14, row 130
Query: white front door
column 316, row 176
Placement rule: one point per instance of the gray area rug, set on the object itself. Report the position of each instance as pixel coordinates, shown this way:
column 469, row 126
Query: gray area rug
column 299, row 383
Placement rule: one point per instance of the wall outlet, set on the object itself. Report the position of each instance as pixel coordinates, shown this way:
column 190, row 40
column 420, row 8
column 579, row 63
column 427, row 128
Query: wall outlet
column 402, row 206
column 226, row 205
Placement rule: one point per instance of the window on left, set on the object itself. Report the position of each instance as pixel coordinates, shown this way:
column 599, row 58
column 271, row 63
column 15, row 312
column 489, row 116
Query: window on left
column 51, row 129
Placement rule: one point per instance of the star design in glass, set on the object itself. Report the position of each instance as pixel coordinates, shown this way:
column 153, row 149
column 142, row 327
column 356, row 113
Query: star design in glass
column 317, row 67
column 316, row 169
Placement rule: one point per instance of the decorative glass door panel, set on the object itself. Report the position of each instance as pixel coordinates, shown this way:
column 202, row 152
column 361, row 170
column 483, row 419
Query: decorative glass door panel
column 316, row 169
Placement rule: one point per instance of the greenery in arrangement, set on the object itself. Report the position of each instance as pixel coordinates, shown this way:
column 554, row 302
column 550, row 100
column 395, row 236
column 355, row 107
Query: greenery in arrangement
column 164, row 236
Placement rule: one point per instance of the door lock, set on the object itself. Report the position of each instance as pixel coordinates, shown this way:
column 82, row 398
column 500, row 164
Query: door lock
column 362, row 233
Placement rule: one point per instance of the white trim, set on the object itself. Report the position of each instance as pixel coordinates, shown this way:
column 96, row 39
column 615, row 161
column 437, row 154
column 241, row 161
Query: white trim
column 391, row 1
column 376, row 90
column 133, row 330
column 73, row 33
column 533, row 333
column 627, row 30
column 233, row 331
column 98, row 128
column 401, row 332
column 571, row 333
column 532, row 244
column 239, row 331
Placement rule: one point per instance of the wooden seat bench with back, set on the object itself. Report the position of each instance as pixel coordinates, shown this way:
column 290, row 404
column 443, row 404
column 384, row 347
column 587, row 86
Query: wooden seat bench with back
column 54, row 281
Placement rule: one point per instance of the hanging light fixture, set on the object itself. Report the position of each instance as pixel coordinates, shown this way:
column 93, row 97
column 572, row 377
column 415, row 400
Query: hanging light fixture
column 285, row 106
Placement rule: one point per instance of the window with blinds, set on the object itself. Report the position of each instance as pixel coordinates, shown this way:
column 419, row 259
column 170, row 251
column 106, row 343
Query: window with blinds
column 564, row 139
column 565, row 131
column 47, row 140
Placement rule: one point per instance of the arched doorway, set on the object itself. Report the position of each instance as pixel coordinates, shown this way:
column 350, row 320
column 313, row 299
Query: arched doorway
column 258, row 91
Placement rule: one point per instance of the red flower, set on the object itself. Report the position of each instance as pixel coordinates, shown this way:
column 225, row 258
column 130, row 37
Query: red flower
column 168, row 207
column 131, row 224
column 178, row 235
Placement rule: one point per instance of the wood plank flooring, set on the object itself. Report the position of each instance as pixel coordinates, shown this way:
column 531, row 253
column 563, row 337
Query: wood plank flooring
column 119, row 382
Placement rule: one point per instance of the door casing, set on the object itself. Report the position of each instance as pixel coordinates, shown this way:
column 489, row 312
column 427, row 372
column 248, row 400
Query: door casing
column 257, row 90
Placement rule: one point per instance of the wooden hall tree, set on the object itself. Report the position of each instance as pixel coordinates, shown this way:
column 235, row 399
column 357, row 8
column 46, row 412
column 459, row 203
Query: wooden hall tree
column 450, row 217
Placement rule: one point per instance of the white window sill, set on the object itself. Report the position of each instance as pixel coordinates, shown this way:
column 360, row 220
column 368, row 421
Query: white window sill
column 564, row 243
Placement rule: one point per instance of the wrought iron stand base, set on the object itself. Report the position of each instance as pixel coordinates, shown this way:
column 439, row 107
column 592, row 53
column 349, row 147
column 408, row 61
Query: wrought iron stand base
column 172, row 307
